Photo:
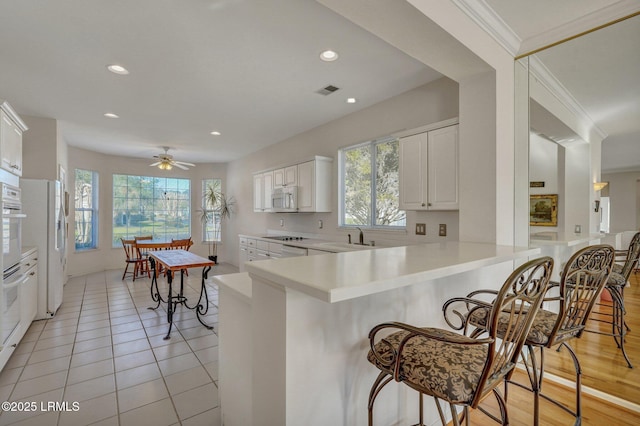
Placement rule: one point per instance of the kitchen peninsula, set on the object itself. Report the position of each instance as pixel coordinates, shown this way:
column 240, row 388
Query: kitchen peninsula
column 309, row 317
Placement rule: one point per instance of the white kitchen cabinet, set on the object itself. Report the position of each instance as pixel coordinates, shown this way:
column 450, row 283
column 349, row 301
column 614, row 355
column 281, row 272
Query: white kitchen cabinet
column 312, row 179
column 429, row 170
column 27, row 303
column 267, row 250
column 248, row 251
column 262, row 189
column 29, row 290
column 286, row 176
column 314, row 185
column 11, row 129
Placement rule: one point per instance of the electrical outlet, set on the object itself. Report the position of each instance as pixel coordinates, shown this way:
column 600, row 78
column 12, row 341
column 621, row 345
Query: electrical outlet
column 442, row 230
column 319, row 224
column 421, row 229
column 281, row 222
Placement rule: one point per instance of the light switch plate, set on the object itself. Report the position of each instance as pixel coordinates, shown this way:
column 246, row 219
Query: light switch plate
column 442, row 230
column 421, row 229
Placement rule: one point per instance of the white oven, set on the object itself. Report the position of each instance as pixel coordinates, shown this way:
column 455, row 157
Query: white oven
column 11, row 226
column 11, row 282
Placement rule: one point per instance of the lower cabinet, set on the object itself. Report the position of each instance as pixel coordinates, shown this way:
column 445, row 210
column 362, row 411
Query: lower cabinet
column 29, row 297
column 25, row 305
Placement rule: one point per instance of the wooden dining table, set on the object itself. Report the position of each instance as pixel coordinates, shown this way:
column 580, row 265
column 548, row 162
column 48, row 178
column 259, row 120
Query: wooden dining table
column 144, row 247
column 173, row 261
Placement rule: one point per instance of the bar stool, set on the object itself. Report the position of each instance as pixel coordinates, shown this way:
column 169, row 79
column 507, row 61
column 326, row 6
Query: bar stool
column 458, row 369
column 616, row 284
column 581, row 282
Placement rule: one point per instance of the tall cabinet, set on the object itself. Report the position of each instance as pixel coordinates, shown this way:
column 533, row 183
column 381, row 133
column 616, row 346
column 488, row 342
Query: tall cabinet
column 429, row 170
column 11, row 129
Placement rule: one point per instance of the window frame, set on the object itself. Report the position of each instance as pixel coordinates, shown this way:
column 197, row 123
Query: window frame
column 372, row 144
column 157, row 193
column 213, row 213
column 94, row 210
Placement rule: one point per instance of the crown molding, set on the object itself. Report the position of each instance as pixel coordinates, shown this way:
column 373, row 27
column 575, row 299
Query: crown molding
column 548, row 80
column 492, row 23
column 580, row 25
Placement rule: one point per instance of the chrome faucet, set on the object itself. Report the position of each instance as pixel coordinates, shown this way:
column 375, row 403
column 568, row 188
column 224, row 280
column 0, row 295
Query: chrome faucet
column 361, row 237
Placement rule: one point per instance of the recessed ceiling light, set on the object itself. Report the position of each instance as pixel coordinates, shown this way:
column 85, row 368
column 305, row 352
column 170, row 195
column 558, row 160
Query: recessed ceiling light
column 118, row 69
column 351, row 100
column 329, row 55
column 111, row 115
column 216, row 133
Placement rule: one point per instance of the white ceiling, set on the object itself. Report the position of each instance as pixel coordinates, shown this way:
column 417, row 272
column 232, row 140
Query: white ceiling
column 247, row 68
column 599, row 69
column 250, row 69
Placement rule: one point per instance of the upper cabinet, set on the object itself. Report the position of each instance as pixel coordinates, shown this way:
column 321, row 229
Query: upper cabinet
column 11, row 128
column 287, row 176
column 262, row 189
column 311, row 178
column 429, row 170
column 314, row 185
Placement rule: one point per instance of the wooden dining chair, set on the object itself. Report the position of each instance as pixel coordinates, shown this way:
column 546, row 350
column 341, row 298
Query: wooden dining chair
column 144, row 255
column 182, row 244
column 132, row 257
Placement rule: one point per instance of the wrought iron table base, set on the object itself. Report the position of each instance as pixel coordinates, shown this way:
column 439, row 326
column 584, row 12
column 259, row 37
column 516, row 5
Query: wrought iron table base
column 180, row 299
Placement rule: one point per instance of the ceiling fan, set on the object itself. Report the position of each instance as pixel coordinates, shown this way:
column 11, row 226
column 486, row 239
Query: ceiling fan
column 166, row 161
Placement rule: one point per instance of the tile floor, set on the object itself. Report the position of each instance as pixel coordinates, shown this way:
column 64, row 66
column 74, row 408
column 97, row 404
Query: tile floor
column 105, row 350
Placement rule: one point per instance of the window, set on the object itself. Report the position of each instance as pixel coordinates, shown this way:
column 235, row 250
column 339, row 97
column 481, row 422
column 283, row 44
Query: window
column 151, row 206
column 86, row 207
column 369, row 190
column 211, row 216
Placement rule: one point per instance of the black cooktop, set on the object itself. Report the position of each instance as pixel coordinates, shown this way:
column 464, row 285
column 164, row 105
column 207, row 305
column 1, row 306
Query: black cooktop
column 285, row 238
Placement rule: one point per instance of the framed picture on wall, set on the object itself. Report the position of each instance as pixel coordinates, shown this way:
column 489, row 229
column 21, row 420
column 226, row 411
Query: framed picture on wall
column 543, row 210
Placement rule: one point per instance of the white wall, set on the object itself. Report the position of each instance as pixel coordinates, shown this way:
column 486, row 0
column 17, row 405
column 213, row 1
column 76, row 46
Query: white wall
column 622, row 190
column 105, row 256
column 44, row 156
column 478, row 181
column 578, row 188
column 39, row 148
column 430, row 103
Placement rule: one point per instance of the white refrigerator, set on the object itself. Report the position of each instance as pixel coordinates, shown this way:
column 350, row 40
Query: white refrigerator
column 45, row 228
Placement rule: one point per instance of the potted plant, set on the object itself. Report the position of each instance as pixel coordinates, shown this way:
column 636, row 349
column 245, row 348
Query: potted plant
column 217, row 207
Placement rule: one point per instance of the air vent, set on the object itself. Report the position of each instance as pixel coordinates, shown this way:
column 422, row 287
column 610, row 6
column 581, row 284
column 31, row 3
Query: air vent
column 328, row 90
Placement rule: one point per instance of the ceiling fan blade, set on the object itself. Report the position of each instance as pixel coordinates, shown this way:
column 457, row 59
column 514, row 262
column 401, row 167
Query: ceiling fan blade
column 180, row 166
column 155, row 164
column 184, row 163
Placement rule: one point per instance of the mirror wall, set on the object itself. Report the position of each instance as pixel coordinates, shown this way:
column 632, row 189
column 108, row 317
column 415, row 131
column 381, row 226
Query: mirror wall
column 583, row 111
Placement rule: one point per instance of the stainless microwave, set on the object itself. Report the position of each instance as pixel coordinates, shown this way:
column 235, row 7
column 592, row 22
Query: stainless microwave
column 284, row 199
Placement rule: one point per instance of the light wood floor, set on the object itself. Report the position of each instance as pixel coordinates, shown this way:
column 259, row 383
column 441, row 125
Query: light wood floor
column 604, row 369
column 603, row 366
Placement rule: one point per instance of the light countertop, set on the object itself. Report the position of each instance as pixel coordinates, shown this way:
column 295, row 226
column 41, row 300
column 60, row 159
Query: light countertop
column 343, row 276
column 567, row 239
